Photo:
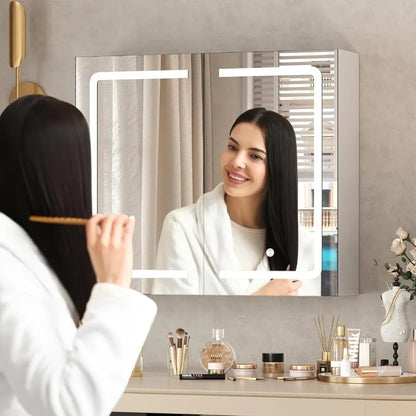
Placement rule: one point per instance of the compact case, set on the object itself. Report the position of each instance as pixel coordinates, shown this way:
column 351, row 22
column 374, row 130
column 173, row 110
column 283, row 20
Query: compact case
column 302, row 370
column 244, row 369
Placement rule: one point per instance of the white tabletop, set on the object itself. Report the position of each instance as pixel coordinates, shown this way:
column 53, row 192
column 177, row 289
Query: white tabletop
column 160, row 393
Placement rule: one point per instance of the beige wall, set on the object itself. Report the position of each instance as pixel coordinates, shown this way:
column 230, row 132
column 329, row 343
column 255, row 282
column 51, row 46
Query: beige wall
column 381, row 31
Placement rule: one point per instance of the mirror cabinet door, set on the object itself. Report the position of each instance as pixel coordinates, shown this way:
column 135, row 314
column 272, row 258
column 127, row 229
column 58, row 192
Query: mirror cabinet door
column 159, row 142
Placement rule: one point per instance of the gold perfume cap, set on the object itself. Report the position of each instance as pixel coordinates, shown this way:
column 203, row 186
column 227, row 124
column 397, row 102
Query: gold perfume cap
column 326, row 356
column 340, row 331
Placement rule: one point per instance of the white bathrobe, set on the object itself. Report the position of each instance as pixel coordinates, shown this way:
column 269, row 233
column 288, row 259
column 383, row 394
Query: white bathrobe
column 48, row 367
column 198, row 239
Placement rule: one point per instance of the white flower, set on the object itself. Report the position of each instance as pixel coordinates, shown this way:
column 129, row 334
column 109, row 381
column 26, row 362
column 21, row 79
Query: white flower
column 402, row 233
column 412, row 252
column 393, row 271
column 398, row 247
column 411, row 268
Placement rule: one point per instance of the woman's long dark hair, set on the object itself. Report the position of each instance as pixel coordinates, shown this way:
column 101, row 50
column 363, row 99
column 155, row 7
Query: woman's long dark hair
column 45, row 169
column 281, row 204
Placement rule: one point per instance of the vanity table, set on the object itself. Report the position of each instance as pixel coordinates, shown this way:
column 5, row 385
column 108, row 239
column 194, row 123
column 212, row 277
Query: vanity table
column 157, row 392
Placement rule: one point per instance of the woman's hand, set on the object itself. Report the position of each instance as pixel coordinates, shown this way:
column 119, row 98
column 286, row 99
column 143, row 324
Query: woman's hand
column 109, row 243
column 279, row 287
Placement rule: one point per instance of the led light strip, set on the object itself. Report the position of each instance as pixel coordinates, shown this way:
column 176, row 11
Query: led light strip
column 118, row 76
column 289, row 70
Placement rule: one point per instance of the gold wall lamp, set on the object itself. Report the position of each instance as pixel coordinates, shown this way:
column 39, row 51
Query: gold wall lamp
column 17, row 50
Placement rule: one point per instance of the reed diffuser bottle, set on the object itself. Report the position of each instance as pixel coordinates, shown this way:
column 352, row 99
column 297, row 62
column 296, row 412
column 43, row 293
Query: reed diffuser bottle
column 326, row 338
column 217, row 351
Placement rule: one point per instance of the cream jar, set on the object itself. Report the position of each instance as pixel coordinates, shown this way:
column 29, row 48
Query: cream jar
column 244, row 369
column 273, row 364
column 302, row 370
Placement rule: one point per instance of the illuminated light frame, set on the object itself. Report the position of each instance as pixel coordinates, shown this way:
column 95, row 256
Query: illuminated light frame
column 289, row 70
column 224, row 72
column 121, row 76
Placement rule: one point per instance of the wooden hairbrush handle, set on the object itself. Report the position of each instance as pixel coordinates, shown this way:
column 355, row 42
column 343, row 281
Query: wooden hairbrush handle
column 59, row 220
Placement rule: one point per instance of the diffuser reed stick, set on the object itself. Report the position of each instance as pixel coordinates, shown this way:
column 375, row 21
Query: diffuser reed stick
column 326, row 339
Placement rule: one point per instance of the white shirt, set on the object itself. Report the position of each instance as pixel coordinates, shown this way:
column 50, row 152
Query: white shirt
column 198, row 239
column 48, row 366
column 248, row 245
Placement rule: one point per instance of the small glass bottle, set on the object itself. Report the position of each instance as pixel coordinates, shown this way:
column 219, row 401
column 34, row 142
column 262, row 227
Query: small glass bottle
column 345, row 367
column 340, row 342
column 411, row 357
column 217, row 350
column 273, row 364
column 138, row 367
column 324, row 364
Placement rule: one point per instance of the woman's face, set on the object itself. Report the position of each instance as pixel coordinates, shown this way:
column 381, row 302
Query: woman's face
column 244, row 162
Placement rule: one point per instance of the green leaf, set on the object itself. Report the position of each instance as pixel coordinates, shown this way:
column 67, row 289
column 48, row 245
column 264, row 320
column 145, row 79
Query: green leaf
column 375, row 262
column 405, row 287
column 387, row 266
column 404, row 259
column 407, row 275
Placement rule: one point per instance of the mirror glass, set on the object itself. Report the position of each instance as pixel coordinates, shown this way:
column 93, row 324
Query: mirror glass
column 159, row 145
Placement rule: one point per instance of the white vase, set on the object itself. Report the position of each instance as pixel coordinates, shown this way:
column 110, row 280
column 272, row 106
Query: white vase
column 395, row 326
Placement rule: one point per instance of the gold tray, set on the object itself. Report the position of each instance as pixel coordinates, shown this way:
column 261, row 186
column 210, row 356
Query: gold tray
column 405, row 378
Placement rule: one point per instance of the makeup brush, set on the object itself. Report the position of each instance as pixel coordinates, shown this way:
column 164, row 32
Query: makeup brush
column 172, row 351
column 185, row 350
column 180, row 332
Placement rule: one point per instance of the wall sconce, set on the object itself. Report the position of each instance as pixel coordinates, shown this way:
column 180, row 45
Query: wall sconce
column 17, row 50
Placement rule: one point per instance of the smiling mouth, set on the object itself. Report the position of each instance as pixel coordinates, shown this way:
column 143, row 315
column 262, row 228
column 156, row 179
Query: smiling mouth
column 236, row 178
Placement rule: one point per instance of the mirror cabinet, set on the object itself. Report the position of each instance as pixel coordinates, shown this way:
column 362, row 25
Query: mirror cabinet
column 159, row 141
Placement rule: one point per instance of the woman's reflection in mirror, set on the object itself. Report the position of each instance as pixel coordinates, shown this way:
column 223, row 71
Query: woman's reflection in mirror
column 254, row 211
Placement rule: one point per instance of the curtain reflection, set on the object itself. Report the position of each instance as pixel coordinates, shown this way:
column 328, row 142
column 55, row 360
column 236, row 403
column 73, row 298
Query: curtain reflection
column 150, row 134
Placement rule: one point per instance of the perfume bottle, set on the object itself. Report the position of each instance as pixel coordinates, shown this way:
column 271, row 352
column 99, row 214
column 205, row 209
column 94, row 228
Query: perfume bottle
column 340, row 342
column 217, row 351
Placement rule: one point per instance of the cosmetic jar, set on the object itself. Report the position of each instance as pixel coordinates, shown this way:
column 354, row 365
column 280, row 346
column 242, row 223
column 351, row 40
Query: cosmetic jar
column 244, row 369
column 302, row 370
column 215, row 368
column 273, row 364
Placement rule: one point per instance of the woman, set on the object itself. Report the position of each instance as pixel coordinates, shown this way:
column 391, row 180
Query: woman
column 253, row 212
column 70, row 326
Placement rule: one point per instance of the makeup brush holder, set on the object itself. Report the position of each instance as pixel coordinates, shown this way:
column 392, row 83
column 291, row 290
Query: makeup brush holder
column 171, row 362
